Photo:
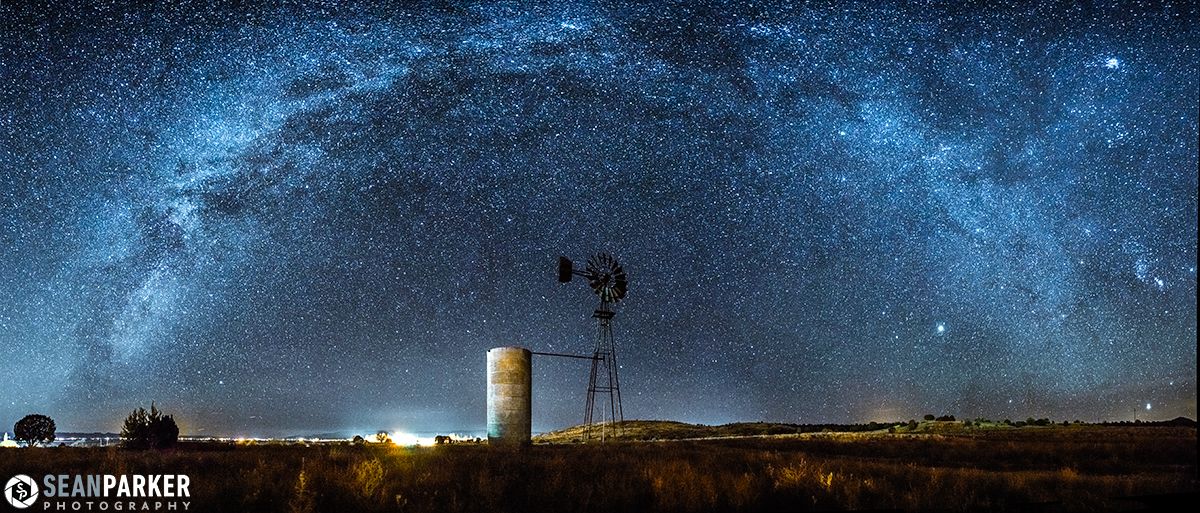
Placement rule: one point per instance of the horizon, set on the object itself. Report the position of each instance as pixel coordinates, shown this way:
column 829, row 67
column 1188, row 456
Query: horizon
column 282, row 219
column 428, row 434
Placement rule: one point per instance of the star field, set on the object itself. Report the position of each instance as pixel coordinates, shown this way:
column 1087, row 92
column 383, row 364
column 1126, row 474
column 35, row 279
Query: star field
column 315, row 217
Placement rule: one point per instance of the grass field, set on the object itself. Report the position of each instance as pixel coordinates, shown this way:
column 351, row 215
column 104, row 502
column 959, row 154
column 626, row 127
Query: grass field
column 1071, row 468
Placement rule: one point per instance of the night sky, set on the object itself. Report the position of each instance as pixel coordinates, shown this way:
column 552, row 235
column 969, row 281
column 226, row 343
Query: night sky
column 307, row 219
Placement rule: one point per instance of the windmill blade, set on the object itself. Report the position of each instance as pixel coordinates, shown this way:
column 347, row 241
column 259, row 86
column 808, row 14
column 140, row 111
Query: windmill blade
column 603, row 273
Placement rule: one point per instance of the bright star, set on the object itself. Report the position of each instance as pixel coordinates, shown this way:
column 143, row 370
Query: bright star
column 1147, row 406
column 1112, row 63
column 941, row 328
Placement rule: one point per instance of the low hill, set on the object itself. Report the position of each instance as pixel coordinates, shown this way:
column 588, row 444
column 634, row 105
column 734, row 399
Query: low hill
column 640, row 430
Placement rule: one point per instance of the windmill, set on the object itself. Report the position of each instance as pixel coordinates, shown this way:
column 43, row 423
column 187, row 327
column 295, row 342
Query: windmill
column 607, row 279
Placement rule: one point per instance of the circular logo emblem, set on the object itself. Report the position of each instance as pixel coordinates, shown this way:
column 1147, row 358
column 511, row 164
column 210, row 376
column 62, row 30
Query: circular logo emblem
column 21, row 491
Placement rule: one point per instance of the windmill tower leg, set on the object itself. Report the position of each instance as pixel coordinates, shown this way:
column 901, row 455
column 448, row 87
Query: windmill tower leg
column 591, row 397
column 606, row 380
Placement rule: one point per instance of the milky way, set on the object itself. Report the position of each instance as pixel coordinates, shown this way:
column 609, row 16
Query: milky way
column 316, row 218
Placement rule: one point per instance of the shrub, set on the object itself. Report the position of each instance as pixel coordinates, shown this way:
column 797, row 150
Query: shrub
column 929, row 416
column 144, row 430
column 368, row 477
column 34, row 429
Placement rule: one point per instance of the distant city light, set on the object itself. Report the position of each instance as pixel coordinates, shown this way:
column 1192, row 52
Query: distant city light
column 408, row 439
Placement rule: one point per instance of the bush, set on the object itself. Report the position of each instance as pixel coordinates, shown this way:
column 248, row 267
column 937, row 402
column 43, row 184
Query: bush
column 144, row 430
column 928, row 416
column 34, row 429
column 946, row 418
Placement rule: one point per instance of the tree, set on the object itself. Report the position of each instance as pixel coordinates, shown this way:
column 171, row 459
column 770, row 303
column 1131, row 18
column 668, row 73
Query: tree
column 144, row 430
column 34, row 429
column 358, row 440
column 163, row 430
column 928, row 416
column 383, row 437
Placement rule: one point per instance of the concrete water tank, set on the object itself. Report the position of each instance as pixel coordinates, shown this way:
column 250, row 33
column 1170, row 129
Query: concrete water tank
column 509, row 395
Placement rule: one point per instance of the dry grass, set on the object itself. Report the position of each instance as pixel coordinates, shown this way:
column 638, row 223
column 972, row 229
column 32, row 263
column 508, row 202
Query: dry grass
column 1077, row 468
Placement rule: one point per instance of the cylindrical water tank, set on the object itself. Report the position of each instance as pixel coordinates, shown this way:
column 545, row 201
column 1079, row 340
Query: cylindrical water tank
column 509, row 395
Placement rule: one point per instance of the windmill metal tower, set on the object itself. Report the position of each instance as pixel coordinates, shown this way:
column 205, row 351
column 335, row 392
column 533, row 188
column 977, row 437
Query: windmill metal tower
column 607, row 279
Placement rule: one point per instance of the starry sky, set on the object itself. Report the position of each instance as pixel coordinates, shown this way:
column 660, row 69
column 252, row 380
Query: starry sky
column 315, row 218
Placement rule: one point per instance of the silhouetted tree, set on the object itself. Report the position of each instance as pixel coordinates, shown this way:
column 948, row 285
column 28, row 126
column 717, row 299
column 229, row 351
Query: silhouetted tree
column 358, row 440
column 34, row 429
column 946, row 418
column 144, row 430
column 928, row 416
column 163, row 430
column 382, row 437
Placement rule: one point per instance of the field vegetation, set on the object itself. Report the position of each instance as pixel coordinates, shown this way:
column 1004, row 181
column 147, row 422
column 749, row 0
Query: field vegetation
column 1069, row 468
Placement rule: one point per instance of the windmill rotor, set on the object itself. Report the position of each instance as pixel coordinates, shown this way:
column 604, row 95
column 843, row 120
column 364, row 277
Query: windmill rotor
column 607, row 278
